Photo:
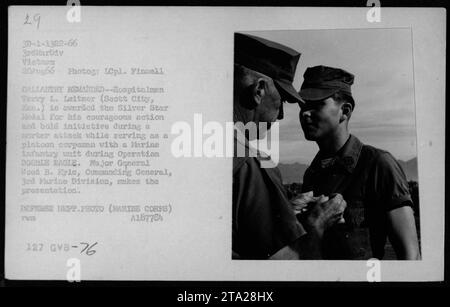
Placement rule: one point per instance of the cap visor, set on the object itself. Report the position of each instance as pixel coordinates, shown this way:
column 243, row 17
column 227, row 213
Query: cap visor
column 316, row 93
column 289, row 91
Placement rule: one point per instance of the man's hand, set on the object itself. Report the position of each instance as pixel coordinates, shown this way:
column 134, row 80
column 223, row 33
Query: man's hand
column 301, row 202
column 316, row 214
column 324, row 213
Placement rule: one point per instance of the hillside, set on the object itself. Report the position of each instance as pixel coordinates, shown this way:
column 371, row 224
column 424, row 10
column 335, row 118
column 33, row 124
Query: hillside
column 294, row 172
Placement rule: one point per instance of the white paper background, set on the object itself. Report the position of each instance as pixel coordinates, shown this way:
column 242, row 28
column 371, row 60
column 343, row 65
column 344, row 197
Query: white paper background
column 195, row 47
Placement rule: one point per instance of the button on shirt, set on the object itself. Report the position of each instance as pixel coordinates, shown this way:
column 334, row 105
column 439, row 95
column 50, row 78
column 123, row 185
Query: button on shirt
column 372, row 182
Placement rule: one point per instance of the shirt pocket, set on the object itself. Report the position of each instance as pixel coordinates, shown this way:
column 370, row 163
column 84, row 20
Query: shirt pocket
column 355, row 213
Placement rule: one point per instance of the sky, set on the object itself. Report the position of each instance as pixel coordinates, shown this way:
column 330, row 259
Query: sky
column 382, row 62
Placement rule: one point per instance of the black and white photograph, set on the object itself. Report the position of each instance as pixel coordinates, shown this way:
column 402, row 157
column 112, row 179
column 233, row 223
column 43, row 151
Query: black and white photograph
column 346, row 186
column 233, row 144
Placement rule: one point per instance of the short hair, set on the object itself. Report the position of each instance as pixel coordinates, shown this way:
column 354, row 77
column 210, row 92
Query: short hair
column 342, row 97
column 245, row 75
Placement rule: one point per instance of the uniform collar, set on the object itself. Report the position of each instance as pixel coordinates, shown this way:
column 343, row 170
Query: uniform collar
column 347, row 157
column 244, row 145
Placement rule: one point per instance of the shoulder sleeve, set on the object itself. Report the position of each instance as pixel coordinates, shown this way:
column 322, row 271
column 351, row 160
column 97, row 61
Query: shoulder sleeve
column 390, row 183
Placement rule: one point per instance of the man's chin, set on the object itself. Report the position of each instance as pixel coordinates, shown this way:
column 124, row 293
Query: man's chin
column 310, row 137
column 261, row 135
column 263, row 132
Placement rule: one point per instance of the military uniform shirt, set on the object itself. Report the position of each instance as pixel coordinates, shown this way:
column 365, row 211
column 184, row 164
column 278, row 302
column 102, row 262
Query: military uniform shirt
column 263, row 220
column 372, row 182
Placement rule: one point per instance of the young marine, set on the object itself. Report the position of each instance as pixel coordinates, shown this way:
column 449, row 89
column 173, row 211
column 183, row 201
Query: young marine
column 371, row 180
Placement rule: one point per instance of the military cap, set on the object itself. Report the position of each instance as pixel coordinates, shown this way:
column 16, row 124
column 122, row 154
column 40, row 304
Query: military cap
column 321, row 82
column 269, row 58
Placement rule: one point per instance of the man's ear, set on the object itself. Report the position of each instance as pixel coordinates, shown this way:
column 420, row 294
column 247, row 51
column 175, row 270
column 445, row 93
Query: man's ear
column 259, row 90
column 347, row 110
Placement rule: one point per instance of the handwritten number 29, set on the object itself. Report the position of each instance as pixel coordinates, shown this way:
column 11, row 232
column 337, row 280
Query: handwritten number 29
column 36, row 19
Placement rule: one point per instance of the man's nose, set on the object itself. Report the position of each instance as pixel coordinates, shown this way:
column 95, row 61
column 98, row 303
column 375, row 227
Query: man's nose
column 280, row 112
